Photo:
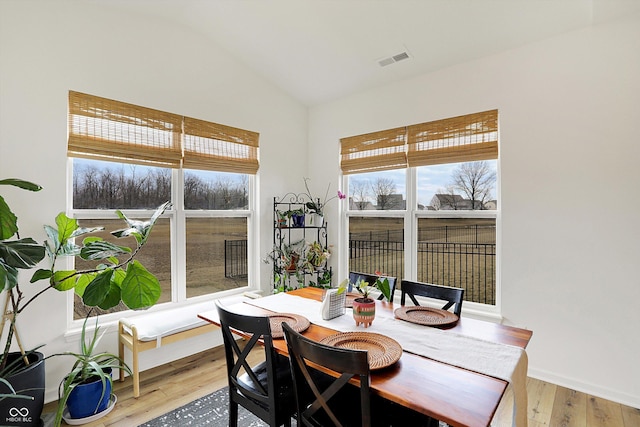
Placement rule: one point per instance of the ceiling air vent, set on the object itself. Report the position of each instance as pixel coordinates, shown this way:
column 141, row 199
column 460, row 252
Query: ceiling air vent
column 393, row 59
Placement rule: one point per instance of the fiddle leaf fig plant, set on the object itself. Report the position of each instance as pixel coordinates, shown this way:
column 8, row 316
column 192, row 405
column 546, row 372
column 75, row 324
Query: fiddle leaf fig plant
column 117, row 276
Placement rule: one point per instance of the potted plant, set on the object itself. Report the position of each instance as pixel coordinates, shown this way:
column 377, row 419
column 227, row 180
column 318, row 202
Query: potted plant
column 287, row 260
column 86, row 389
column 315, row 206
column 111, row 281
column 282, row 218
column 316, row 256
column 364, row 308
column 297, row 217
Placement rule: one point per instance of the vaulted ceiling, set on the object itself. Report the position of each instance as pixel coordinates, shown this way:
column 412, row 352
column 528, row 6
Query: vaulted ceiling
column 320, row 50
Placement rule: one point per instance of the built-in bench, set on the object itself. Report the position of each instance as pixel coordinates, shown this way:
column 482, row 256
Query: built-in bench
column 147, row 331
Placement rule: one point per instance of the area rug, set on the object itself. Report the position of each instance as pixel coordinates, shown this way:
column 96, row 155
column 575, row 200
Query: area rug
column 211, row 410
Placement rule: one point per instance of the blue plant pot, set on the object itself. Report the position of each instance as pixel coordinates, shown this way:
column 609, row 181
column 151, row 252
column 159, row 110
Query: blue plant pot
column 86, row 399
column 298, row 220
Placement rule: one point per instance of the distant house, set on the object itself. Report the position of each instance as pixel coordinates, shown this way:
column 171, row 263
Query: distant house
column 361, row 206
column 449, row 202
column 455, row 202
column 391, row 202
column 491, row 205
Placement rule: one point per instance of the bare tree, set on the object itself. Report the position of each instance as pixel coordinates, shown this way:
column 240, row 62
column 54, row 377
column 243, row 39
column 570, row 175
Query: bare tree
column 383, row 188
column 360, row 193
column 475, row 180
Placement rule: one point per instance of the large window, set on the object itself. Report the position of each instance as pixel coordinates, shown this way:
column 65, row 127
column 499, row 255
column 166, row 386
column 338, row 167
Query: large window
column 134, row 159
column 433, row 216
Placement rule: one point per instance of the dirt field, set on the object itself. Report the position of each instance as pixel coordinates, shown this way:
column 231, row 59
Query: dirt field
column 205, row 269
column 205, row 254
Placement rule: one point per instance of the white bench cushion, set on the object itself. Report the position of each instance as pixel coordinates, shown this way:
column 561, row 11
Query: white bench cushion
column 155, row 325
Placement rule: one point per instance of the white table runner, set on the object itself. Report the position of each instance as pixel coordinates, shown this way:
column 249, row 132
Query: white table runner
column 498, row 360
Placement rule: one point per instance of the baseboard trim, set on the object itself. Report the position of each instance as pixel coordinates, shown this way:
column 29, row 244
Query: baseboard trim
column 585, row 387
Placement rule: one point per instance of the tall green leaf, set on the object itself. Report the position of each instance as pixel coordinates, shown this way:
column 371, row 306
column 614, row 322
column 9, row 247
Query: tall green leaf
column 96, row 291
column 8, row 276
column 66, row 226
column 112, row 298
column 100, row 249
column 23, row 253
column 8, row 221
column 140, row 289
column 64, row 279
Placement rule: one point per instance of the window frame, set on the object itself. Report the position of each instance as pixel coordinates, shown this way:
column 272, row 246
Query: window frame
column 236, row 148
column 411, row 216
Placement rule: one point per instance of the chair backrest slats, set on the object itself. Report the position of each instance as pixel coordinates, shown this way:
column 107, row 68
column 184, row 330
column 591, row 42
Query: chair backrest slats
column 344, row 362
column 453, row 296
column 248, row 385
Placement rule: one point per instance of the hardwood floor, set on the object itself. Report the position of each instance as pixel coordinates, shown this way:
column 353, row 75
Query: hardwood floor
column 172, row 385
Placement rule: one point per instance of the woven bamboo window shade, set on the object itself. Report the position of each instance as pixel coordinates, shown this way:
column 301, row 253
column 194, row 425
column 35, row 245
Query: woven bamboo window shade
column 104, row 129
column 212, row 146
column 467, row 138
column 374, row 152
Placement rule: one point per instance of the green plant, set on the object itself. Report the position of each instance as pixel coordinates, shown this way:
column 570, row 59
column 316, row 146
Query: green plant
column 282, row 218
column 110, row 282
column 316, row 255
column 381, row 283
column 315, row 205
column 88, row 367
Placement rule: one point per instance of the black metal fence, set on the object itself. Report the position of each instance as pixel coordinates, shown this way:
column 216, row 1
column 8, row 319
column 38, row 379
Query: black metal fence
column 460, row 256
column 235, row 259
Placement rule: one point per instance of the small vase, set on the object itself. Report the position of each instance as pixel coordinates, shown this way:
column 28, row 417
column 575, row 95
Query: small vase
column 317, row 220
column 364, row 311
column 297, row 220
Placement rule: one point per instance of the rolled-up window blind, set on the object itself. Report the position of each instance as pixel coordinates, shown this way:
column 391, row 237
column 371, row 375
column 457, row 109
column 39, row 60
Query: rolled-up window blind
column 467, row 138
column 104, row 129
column 374, row 152
column 212, row 146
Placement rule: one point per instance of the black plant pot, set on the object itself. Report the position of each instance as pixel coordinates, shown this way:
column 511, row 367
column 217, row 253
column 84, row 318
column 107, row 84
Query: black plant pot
column 30, row 382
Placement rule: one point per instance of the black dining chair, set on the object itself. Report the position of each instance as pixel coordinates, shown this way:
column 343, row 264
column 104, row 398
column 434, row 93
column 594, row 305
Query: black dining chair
column 323, row 400
column 265, row 389
column 452, row 296
column 355, row 276
column 331, row 400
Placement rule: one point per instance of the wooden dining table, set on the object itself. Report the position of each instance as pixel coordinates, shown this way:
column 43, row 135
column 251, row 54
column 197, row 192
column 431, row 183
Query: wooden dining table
column 457, row 396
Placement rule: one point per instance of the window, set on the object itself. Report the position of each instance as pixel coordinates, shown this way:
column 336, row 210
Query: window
column 431, row 217
column 134, row 159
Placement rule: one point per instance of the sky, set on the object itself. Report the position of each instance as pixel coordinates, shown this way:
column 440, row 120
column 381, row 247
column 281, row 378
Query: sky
column 431, row 180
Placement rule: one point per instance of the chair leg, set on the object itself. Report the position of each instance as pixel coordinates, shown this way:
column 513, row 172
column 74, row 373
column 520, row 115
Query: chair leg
column 233, row 414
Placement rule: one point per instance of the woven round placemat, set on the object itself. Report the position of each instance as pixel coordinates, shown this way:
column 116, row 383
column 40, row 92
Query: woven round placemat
column 298, row 323
column 382, row 351
column 426, row 316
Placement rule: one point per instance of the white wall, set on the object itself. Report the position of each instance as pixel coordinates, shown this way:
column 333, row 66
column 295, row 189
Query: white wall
column 569, row 152
column 48, row 48
column 568, row 111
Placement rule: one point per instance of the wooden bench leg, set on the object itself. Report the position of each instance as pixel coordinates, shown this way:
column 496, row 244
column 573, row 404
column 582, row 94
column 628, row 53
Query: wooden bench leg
column 131, row 341
column 135, row 368
column 121, row 348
